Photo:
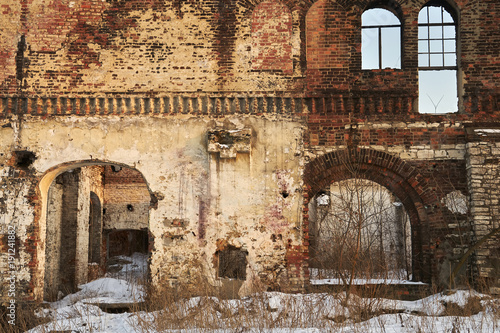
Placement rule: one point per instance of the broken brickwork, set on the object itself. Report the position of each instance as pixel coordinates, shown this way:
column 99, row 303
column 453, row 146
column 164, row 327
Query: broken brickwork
column 231, row 116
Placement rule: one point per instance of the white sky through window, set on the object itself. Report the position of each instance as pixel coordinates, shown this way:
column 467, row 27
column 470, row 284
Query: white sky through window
column 437, row 61
column 381, row 38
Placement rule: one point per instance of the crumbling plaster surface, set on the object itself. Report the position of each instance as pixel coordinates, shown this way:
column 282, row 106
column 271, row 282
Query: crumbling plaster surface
column 53, row 238
column 16, row 214
column 236, row 201
column 91, row 180
column 15, row 209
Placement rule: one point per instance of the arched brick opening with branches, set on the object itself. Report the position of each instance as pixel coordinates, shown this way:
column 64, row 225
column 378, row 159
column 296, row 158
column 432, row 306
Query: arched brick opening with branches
column 399, row 177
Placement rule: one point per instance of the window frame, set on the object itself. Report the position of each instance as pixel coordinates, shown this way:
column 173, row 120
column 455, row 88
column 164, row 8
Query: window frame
column 428, row 27
column 427, row 66
column 379, row 28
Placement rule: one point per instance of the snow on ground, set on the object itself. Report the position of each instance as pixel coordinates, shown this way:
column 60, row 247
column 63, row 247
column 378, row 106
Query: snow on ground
column 424, row 315
column 133, row 268
column 269, row 312
column 324, row 277
column 107, row 290
column 360, row 282
column 120, row 285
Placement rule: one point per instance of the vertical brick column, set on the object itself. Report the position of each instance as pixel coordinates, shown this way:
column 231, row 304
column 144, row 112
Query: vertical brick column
column 483, row 171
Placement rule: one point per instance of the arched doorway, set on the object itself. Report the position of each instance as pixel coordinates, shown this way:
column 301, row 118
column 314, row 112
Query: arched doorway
column 359, row 227
column 84, row 203
column 401, row 180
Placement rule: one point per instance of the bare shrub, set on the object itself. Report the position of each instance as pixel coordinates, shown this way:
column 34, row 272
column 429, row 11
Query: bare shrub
column 25, row 317
column 472, row 307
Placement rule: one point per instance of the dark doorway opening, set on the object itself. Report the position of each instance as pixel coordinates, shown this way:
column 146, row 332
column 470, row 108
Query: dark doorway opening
column 93, row 211
column 126, row 242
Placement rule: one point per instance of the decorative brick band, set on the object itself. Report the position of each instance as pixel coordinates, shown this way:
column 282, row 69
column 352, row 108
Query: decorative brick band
column 204, row 105
column 362, row 102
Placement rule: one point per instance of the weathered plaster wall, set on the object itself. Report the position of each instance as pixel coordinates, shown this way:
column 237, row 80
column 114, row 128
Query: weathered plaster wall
column 90, row 179
column 15, row 207
column 202, row 198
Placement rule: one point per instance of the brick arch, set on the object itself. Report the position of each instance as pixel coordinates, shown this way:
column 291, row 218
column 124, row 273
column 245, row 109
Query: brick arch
column 391, row 5
column 400, row 178
column 450, row 5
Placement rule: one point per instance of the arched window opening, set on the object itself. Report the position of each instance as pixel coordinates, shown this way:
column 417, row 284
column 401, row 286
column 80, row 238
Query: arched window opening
column 437, row 59
column 358, row 228
column 380, row 39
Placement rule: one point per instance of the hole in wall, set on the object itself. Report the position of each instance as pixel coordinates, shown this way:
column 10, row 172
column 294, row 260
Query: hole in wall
column 24, row 158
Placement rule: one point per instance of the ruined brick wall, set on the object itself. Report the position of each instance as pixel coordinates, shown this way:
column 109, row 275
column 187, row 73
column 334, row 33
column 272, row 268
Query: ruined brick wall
column 135, row 46
column 142, row 84
column 73, row 48
column 126, row 199
column 62, row 234
column 483, row 173
column 125, row 212
column 67, row 229
column 150, row 46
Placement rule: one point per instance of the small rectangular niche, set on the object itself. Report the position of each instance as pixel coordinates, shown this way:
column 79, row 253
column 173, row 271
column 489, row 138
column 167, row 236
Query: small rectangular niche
column 232, row 263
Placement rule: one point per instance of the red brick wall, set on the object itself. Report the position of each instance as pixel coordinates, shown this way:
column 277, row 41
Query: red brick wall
column 329, row 38
column 43, row 73
column 271, row 37
column 420, row 185
column 74, row 34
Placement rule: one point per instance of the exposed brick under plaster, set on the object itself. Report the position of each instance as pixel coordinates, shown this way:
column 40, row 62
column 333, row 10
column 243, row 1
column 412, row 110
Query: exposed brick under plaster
column 141, row 84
